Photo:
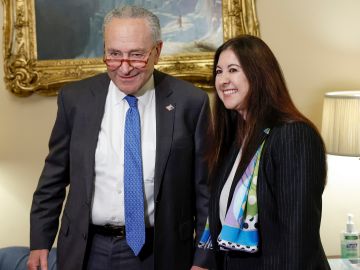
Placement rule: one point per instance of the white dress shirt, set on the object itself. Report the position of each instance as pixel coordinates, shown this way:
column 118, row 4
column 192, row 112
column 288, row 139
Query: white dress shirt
column 108, row 201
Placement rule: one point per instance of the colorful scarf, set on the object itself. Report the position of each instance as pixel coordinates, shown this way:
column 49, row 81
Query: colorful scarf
column 239, row 231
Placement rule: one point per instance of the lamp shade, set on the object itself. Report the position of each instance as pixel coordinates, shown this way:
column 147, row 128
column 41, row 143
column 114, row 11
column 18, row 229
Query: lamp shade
column 341, row 123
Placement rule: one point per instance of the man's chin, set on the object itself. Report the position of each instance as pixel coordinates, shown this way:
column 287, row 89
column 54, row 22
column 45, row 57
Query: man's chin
column 129, row 89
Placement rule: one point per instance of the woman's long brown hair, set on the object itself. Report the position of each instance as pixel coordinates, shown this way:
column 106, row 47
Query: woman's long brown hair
column 268, row 100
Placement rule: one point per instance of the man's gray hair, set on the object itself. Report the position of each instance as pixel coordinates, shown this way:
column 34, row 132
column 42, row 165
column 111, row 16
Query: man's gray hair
column 136, row 12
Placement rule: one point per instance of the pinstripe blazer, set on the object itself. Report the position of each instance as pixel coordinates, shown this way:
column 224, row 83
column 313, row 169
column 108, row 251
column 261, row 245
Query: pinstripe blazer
column 290, row 184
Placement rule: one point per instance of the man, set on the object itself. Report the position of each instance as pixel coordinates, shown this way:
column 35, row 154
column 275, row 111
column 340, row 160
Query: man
column 89, row 151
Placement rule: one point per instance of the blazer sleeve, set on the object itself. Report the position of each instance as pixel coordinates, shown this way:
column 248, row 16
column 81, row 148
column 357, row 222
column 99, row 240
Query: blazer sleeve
column 202, row 257
column 300, row 172
column 50, row 192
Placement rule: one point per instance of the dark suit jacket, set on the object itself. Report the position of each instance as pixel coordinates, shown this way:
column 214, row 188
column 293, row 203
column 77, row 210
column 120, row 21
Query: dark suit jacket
column 181, row 196
column 290, row 183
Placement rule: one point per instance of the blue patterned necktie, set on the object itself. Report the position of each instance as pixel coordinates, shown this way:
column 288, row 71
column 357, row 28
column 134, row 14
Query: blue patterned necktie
column 133, row 178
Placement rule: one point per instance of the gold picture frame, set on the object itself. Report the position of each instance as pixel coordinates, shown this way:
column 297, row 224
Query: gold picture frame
column 26, row 75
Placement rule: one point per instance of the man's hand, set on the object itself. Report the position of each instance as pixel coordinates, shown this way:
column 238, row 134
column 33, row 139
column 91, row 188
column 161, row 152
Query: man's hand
column 38, row 258
column 197, row 268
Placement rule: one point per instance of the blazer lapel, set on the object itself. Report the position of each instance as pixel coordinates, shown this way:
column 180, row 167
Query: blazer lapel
column 220, row 177
column 96, row 107
column 244, row 162
column 165, row 116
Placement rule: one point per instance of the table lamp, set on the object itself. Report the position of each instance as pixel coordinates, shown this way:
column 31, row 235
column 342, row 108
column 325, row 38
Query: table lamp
column 341, row 134
column 341, row 123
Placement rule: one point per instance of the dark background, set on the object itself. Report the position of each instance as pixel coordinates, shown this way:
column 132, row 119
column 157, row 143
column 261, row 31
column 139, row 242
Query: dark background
column 62, row 27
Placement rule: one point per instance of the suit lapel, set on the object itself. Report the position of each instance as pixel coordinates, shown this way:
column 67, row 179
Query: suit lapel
column 165, row 116
column 96, row 107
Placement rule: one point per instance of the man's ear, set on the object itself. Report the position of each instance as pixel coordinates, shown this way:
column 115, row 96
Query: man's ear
column 158, row 51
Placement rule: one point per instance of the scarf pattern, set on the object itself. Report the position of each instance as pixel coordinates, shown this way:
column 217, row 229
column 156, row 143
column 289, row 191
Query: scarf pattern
column 240, row 229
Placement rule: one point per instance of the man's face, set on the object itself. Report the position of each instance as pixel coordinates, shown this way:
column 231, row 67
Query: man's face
column 130, row 38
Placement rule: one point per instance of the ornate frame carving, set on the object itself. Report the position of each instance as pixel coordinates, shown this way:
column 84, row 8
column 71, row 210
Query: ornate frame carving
column 25, row 75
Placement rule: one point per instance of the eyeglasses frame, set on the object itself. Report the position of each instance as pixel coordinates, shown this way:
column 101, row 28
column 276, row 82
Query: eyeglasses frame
column 127, row 60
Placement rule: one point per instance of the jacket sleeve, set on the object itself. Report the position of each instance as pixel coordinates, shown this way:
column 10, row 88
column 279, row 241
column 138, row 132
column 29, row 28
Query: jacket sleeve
column 202, row 258
column 50, row 192
column 300, row 172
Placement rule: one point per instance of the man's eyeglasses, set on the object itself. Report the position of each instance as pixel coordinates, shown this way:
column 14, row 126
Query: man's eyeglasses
column 136, row 61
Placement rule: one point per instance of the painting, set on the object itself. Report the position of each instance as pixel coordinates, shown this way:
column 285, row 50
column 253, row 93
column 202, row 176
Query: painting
column 49, row 44
column 187, row 26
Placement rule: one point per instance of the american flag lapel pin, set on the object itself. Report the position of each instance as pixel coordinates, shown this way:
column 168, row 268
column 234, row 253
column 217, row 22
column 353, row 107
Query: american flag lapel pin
column 170, row 107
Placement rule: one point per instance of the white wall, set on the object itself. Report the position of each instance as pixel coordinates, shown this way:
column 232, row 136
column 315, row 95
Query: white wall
column 317, row 43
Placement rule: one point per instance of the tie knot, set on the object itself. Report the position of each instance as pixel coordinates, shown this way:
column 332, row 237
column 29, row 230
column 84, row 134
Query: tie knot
column 132, row 101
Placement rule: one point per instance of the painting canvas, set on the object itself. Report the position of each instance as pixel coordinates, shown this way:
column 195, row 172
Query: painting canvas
column 70, row 29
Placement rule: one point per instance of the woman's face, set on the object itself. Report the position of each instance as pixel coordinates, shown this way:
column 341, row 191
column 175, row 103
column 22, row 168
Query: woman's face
column 231, row 84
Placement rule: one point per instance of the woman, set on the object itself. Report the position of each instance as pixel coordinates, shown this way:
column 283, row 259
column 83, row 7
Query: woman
column 267, row 164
